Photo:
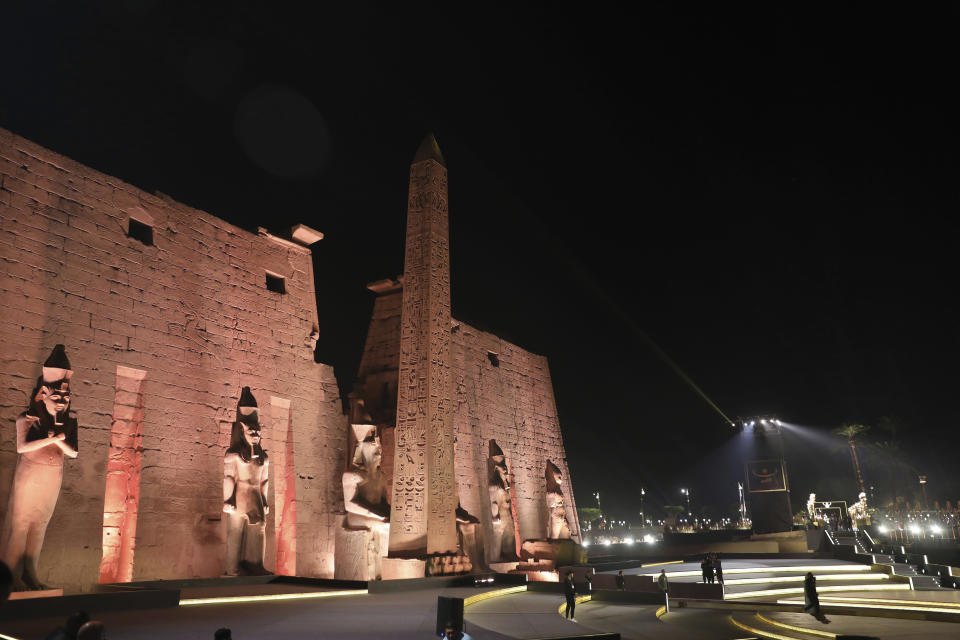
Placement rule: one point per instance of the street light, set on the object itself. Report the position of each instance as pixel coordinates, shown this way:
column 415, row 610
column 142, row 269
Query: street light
column 686, row 492
column 643, row 519
column 923, row 487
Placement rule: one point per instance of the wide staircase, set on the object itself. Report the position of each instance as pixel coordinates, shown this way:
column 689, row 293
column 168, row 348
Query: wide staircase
column 859, row 542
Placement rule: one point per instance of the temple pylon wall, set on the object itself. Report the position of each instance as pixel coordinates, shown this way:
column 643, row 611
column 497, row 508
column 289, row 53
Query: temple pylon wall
column 190, row 319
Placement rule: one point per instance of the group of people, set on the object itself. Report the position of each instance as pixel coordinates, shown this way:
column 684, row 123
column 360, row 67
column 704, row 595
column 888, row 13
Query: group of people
column 712, row 568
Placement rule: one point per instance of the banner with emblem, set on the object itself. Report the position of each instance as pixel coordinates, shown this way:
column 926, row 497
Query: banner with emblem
column 766, row 475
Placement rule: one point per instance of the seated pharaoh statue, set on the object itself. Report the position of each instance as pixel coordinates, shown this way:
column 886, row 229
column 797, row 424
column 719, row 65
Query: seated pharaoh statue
column 245, row 474
column 362, row 541
column 46, row 433
column 557, row 525
column 364, row 483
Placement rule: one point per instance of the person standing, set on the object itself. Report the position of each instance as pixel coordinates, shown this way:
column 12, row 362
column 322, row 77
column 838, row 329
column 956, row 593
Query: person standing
column 718, row 568
column 811, row 601
column 570, row 593
column 706, row 571
column 621, row 580
column 664, row 585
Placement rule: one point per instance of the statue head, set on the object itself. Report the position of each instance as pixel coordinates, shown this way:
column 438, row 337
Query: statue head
column 553, row 476
column 499, row 461
column 52, row 395
column 245, row 438
column 368, row 453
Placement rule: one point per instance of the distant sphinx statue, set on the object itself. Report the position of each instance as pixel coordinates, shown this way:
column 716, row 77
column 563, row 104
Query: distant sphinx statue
column 245, row 474
column 46, row 432
column 504, row 547
column 362, row 541
column 557, row 525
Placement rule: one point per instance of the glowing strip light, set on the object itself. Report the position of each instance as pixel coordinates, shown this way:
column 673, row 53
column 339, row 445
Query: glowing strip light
column 273, row 596
column 849, row 605
column 799, row 590
column 818, row 568
column 3, row 637
column 889, row 601
column 828, row 578
column 661, row 612
column 480, row 597
column 790, row 627
column 578, row 600
column 758, row 632
column 657, row 564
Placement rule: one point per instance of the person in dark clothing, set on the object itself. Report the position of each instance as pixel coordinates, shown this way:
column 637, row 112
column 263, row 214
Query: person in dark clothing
column 589, row 582
column 718, row 568
column 223, row 633
column 811, row 601
column 706, row 570
column 621, row 581
column 72, row 626
column 570, row 593
column 6, row 583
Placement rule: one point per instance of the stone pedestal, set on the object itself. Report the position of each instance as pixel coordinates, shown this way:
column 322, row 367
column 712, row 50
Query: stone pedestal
column 360, row 551
column 560, row 552
column 471, row 544
column 503, row 567
column 28, row 595
column 403, row 568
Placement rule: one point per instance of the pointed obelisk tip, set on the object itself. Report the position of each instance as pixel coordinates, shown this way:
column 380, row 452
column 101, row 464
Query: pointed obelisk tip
column 429, row 150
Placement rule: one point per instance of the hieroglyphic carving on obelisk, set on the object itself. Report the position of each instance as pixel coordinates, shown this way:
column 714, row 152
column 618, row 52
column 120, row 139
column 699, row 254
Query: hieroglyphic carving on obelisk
column 423, row 509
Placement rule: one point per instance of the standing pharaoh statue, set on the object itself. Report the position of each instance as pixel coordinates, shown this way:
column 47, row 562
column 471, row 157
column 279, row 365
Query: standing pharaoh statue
column 557, row 525
column 245, row 474
column 46, row 432
column 504, row 547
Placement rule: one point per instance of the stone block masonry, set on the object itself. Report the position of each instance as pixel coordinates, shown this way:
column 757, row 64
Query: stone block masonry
column 511, row 401
column 191, row 314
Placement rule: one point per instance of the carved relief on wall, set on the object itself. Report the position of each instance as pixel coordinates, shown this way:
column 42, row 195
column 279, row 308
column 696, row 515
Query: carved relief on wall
column 557, row 525
column 245, row 475
column 424, row 487
column 46, row 432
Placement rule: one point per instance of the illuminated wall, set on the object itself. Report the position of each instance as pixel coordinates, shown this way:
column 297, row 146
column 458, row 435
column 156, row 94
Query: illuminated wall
column 511, row 402
column 190, row 311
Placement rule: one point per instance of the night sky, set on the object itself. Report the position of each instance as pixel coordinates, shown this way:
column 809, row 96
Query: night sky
column 766, row 196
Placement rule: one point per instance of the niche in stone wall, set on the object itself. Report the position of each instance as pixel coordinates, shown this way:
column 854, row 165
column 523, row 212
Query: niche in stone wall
column 122, row 491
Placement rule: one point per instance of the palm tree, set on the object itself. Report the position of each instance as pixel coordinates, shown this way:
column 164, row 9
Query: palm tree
column 850, row 432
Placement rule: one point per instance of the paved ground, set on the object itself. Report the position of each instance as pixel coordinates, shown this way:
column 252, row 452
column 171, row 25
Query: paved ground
column 412, row 615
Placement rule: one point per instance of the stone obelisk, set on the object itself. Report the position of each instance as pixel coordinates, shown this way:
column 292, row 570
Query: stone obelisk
column 423, row 509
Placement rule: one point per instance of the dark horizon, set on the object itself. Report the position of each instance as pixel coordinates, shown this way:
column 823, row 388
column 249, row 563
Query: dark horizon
column 764, row 196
